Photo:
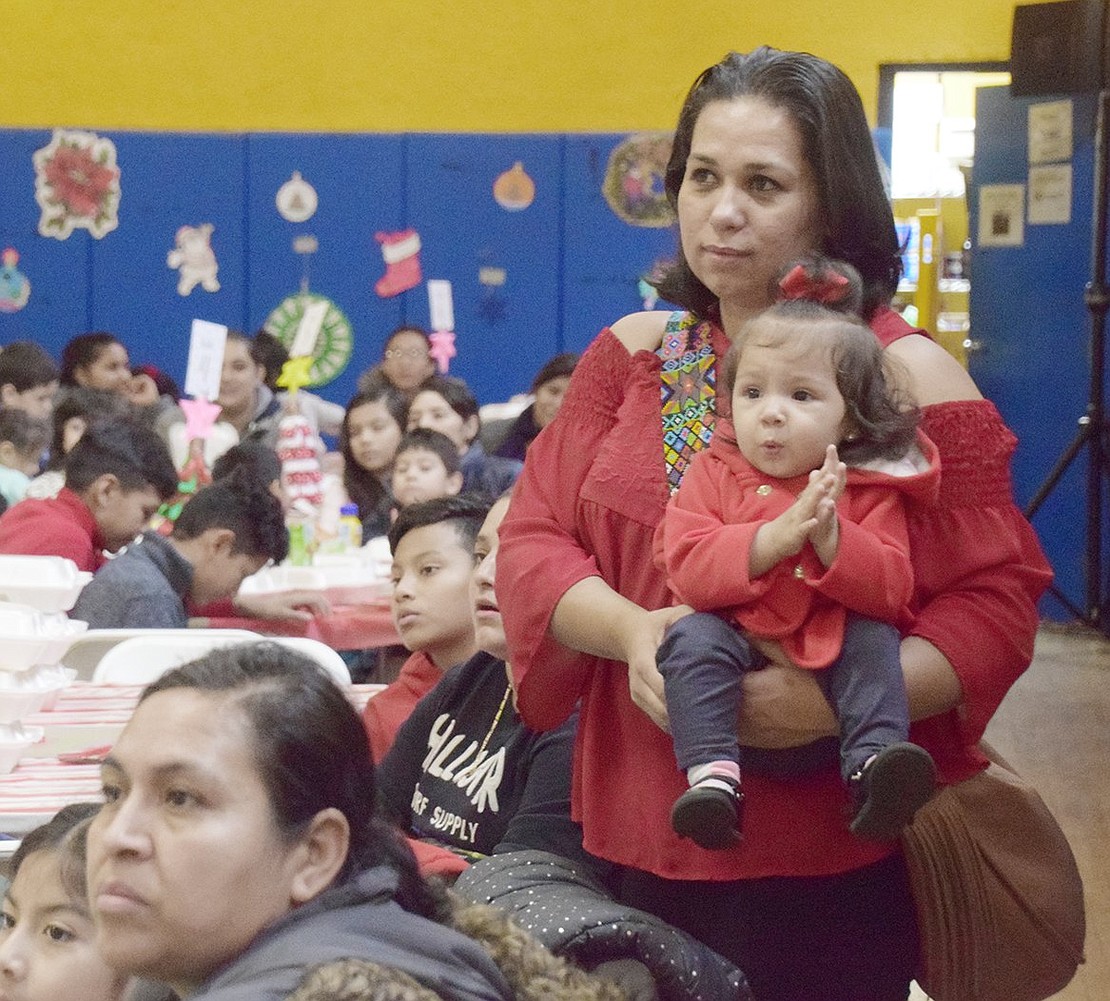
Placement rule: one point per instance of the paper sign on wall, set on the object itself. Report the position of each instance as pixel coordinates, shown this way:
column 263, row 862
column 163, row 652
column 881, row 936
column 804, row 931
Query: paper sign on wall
column 206, row 359
column 440, row 304
column 308, row 330
column 1050, row 194
column 1050, row 139
column 1001, row 215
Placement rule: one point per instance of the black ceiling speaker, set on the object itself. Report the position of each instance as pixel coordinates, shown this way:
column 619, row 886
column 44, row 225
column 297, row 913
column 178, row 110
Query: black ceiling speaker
column 1059, row 48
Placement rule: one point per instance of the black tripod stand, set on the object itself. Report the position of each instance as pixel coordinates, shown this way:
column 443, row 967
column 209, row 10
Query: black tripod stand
column 1093, row 431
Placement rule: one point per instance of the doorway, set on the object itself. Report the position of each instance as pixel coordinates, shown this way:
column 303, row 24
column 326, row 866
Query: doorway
column 926, row 129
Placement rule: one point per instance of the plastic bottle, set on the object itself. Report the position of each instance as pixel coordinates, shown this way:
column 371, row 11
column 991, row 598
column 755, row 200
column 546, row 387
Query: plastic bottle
column 350, row 528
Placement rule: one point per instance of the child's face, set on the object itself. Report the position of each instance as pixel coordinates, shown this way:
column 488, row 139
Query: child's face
column 47, row 949
column 122, row 514
column 220, row 573
column 374, row 435
column 420, row 475
column 432, row 608
column 786, row 407
column 37, row 402
column 430, row 410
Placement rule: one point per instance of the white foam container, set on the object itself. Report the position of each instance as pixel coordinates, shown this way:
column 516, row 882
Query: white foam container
column 48, row 583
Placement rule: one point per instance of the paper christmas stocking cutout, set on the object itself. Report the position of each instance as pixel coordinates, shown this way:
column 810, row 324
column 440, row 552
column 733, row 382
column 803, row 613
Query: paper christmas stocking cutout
column 401, row 253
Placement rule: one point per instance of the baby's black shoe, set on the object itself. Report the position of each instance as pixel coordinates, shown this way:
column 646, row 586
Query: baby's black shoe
column 889, row 789
column 710, row 813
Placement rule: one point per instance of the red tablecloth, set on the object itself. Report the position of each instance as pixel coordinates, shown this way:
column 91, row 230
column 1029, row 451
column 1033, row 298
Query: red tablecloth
column 87, row 717
column 346, row 627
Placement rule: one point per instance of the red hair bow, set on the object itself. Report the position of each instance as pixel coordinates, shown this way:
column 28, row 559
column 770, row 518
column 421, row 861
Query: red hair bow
column 825, row 286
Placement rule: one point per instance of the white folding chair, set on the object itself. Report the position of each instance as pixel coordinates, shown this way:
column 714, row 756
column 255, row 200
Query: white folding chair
column 87, row 650
column 141, row 659
column 331, row 663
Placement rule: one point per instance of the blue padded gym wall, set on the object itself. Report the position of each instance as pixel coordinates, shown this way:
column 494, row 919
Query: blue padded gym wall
column 530, row 278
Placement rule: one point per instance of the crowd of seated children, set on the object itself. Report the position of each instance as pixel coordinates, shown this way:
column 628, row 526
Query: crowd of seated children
column 406, row 362
column 426, row 467
column 446, row 404
column 433, row 555
column 116, row 477
column 28, row 379
column 23, row 441
column 225, row 533
column 548, row 388
column 97, row 360
column 47, row 938
column 373, row 425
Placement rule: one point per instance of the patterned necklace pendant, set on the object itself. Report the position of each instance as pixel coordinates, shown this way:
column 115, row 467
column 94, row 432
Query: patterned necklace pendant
column 688, row 392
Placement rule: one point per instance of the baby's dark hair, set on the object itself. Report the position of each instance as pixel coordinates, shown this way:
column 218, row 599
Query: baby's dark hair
column 243, row 503
column 26, row 365
column 65, row 835
column 823, row 308
column 27, row 435
column 436, row 442
column 464, row 512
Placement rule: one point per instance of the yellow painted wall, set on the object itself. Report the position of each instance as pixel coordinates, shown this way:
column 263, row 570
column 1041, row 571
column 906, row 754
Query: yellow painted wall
column 436, row 65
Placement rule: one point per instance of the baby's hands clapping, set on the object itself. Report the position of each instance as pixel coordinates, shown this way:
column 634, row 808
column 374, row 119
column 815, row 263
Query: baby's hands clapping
column 828, row 482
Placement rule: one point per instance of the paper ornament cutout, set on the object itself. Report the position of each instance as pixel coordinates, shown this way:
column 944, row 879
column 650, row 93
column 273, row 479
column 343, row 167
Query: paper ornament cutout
column 77, row 184
column 633, row 184
column 442, row 349
column 200, row 415
column 301, row 478
column 15, row 289
column 334, row 342
column 492, row 306
column 296, row 199
column 295, row 373
column 514, row 190
column 194, row 256
column 401, row 253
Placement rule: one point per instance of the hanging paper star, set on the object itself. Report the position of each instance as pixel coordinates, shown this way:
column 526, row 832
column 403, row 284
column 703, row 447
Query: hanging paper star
column 200, row 415
column 294, row 373
column 443, row 348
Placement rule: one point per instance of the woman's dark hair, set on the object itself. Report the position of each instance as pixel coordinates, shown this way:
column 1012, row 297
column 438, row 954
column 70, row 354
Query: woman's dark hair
column 363, row 486
column 268, row 351
column 457, row 394
column 64, row 834
column 93, row 406
column 883, row 418
column 555, row 368
column 856, row 217
column 311, row 753
column 82, row 351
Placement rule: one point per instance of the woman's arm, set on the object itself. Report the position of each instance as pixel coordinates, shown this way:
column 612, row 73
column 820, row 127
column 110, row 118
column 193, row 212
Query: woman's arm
column 592, row 618
column 784, row 707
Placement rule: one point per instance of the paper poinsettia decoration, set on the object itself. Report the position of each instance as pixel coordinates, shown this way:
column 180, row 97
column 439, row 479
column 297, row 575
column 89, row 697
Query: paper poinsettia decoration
column 77, row 184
